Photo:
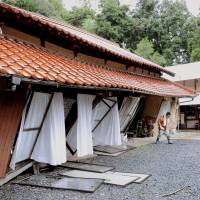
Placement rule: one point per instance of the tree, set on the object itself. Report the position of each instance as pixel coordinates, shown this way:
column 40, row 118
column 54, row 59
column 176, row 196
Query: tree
column 166, row 24
column 195, row 56
column 25, row 4
column 80, row 17
column 194, row 46
column 114, row 22
column 45, row 7
column 146, row 50
column 89, row 25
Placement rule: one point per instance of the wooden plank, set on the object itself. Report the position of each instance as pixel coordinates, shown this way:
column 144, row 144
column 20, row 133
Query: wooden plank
column 15, row 173
column 11, row 106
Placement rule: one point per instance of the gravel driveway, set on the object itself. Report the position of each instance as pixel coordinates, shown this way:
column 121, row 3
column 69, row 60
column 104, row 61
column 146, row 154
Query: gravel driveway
column 172, row 167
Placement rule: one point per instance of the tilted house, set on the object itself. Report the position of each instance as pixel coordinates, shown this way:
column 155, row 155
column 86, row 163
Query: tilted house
column 63, row 90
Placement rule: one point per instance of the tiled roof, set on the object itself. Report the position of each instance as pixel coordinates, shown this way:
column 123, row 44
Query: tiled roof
column 25, row 60
column 74, row 33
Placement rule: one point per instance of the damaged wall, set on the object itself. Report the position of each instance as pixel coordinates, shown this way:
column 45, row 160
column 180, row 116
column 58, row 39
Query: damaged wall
column 152, row 106
column 11, row 106
column 152, row 109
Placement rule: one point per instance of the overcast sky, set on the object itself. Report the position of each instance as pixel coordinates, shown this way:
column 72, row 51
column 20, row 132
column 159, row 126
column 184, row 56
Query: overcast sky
column 193, row 5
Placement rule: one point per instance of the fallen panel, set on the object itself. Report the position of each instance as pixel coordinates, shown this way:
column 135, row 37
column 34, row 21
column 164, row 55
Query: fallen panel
column 107, row 149
column 109, row 178
column 108, row 154
column 87, row 167
column 125, row 147
column 141, row 177
column 20, row 168
column 80, row 184
column 67, row 183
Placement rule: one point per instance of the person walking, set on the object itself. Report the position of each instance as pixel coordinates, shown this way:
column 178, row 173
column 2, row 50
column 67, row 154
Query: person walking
column 163, row 127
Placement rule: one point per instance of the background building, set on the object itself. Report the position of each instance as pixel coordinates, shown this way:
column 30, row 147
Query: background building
column 188, row 75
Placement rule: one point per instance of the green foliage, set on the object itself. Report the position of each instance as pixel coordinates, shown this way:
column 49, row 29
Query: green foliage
column 166, row 24
column 146, row 50
column 25, row 4
column 195, row 56
column 194, row 45
column 89, row 25
column 78, row 15
column 114, row 22
column 45, row 7
column 158, row 58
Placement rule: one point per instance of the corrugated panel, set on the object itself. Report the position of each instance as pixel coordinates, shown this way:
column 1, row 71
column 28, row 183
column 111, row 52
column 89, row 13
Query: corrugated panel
column 11, row 108
column 127, row 111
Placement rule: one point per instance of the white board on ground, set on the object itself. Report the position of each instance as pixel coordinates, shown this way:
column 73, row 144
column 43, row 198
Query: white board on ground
column 109, row 178
column 87, row 167
column 99, row 153
column 141, row 177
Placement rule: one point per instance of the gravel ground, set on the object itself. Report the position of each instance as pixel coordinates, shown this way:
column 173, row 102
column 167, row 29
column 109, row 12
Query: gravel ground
column 171, row 166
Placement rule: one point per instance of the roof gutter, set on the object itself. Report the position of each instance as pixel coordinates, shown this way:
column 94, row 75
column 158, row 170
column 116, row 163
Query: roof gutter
column 66, row 86
column 16, row 80
column 192, row 98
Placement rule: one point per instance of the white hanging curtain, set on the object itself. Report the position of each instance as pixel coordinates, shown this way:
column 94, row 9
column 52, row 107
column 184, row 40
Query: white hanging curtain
column 32, row 118
column 108, row 130
column 50, row 146
column 80, row 136
column 127, row 111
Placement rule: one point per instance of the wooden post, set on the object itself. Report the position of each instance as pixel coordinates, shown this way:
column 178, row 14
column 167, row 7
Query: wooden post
column 11, row 109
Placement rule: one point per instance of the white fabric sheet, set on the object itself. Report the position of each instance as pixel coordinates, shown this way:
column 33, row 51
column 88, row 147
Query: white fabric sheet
column 127, row 111
column 108, row 131
column 50, row 147
column 80, row 135
column 26, row 139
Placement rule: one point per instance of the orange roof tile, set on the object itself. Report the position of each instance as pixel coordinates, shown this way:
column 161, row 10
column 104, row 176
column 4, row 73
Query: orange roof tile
column 50, row 67
column 77, row 34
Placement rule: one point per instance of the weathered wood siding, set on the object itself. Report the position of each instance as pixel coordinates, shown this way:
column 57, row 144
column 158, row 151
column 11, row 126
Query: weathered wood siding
column 11, row 108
